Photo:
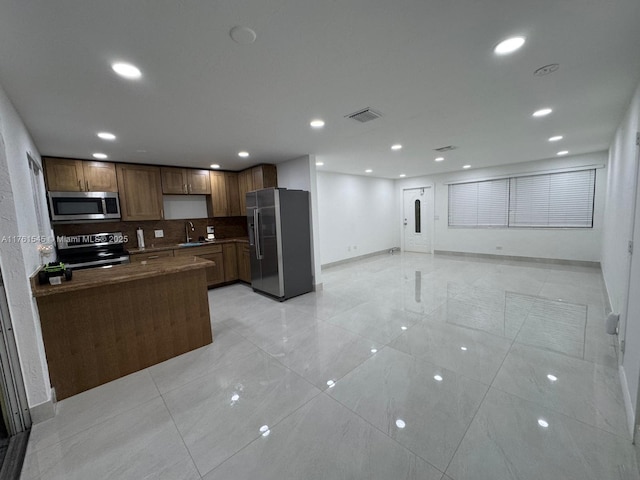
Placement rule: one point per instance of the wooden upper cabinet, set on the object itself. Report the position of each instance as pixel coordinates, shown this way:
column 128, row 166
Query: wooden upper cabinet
column 224, row 200
column 185, row 181
column 68, row 175
column 198, row 182
column 233, row 197
column 174, row 180
column 100, row 176
column 140, row 192
column 218, row 206
column 264, row 176
column 245, row 184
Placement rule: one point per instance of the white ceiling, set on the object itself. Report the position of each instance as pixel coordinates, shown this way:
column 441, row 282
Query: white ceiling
column 427, row 65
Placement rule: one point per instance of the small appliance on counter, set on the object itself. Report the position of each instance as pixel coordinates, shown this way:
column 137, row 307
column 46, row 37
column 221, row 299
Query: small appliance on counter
column 92, row 250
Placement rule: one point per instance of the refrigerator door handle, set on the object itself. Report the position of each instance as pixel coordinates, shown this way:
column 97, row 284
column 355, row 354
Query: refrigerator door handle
column 256, row 233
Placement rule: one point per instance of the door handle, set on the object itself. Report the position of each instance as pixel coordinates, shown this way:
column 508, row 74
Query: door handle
column 256, row 227
column 405, row 222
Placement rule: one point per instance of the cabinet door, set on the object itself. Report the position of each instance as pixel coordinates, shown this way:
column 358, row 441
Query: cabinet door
column 215, row 273
column 244, row 262
column 218, row 204
column 256, row 174
column 245, row 184
column 100, row 177
column 198, row 182
column 233, row 197
column 230, row 262
column 269, row 176
column 140, row 190
column 64, row 175
column 174, row 180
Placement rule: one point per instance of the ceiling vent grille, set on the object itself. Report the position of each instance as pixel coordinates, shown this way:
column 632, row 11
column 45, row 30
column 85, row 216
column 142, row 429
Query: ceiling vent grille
column 365, row 115
column 448, row 148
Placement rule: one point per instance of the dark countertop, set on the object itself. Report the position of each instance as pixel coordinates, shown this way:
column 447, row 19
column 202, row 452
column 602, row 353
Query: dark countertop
column 161, row 248
column 94, row 277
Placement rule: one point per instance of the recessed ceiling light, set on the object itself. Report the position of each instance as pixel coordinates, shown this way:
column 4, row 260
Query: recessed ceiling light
column 556, row 138
column 437, row 378
column 215, row 165
column 402, row 175
column 397, row 146
column 126, row 70
column 563, row 152
column 543, row 112
column 319, row 164
column 243, row 154
column 439, row 159
column 317, row 123
column 543, row 423
column 466, row 166
column 509, row 45
column 106, row 136
column 242, row 35
column 100, row 156
column 368, row 170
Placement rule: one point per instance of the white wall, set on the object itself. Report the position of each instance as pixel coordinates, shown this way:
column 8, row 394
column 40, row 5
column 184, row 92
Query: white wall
column 621, row 201
column 553, row 243
column 300, row 174
column 19, row 260
column 356, row 211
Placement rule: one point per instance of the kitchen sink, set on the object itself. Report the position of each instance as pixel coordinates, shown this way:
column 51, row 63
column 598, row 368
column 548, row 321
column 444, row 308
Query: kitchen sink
column 191, row 244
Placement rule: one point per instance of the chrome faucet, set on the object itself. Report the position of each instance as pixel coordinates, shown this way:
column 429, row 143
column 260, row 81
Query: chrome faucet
column 186, row 230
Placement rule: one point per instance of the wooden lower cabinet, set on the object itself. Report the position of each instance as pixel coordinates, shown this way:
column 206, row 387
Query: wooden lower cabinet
column 215, row 273
column 230, row 262
column 145, row 256
column 244, row 262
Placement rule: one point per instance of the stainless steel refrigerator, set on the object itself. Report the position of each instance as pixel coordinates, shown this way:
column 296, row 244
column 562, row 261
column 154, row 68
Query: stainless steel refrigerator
column 280, row 240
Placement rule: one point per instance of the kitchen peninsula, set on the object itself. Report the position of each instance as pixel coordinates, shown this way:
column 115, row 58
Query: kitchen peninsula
column 107, row 323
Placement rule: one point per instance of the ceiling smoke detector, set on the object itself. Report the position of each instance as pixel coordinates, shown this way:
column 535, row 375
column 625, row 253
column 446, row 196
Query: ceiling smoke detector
column 364, row 116
column 546, row 70
column 448, row 148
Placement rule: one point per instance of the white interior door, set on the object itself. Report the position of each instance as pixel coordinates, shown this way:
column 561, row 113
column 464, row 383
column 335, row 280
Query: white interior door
column 417, row 212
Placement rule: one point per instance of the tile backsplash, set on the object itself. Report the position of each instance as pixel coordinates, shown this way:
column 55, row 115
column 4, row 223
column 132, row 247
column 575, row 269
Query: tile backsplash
column 174, row 230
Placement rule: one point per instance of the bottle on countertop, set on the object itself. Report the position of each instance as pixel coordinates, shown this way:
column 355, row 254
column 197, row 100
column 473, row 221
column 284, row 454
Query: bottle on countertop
column 140, row 236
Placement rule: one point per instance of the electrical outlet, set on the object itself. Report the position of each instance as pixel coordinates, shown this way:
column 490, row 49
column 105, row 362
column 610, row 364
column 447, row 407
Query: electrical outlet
column 158, row 233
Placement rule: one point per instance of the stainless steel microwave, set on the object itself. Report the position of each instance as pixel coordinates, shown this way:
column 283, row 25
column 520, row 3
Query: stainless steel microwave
column 77, row 206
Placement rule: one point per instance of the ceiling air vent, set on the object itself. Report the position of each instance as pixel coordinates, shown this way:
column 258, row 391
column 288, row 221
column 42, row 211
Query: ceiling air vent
column 448, row 148
column 365, row 115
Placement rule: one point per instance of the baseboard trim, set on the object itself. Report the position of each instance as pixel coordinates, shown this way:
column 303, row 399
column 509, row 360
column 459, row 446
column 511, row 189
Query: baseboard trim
column 359, row 257
column 43, row 411
column 554, row 261
column 627, row 401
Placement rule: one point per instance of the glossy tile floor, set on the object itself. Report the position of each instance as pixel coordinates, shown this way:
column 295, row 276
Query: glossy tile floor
column 407, row 367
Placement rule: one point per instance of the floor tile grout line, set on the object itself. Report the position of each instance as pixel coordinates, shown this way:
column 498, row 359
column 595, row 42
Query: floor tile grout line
column 557, row 412
column 111, row 417
column 484, row 397
column 382, row 431
column 320, row 392
column 175, row 425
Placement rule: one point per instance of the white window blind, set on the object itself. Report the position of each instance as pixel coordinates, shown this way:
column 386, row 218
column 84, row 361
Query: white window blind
column 479, row 204
column 552, row 200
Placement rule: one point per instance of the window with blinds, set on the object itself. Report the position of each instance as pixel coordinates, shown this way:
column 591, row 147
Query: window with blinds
column 561, row 200
column 479, row 204
column 553, row 200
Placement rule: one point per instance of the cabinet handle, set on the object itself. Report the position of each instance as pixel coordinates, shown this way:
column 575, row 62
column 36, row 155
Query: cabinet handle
column 80, row 185
column 152, row 257
column 190, row 189
column 87, row 182
column 184, row 188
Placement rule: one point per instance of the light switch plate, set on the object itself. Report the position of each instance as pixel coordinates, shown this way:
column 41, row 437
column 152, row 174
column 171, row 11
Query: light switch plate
column 158, row 233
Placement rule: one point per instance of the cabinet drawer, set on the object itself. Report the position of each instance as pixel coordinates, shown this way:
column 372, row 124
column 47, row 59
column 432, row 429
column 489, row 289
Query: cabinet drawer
column 139, row 257
column 197, row 251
